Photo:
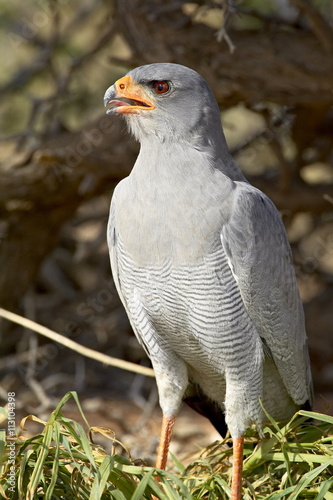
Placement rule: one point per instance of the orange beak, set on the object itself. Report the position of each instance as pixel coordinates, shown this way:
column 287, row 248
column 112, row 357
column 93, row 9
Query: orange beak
column 127, row 96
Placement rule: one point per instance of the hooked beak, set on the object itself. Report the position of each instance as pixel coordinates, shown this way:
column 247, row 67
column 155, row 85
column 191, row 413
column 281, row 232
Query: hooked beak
column 126, row 96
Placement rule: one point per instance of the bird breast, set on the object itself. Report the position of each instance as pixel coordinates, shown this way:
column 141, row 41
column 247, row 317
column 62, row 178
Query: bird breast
column 167, row 216
column 197, row 312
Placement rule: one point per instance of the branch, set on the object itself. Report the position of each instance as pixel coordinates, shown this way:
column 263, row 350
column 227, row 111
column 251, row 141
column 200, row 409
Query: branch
column 286, row 66
column 300, row 198
column 318, row 24
column 84, row 351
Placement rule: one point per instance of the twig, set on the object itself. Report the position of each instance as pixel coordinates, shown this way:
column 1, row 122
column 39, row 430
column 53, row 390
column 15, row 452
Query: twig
column 222, row 34
column 285, row 174
column 11, row 361
column 85, row 351
column 318, row 24
column 38, row 390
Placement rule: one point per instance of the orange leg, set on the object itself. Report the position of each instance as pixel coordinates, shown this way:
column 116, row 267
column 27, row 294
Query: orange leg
column 165, row 438
column 237, row 469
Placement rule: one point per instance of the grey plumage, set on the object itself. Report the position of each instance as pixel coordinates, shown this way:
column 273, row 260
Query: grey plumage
column 201, row 261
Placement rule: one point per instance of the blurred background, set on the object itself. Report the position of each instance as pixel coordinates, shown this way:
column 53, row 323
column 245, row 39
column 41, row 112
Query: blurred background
column 270, row 66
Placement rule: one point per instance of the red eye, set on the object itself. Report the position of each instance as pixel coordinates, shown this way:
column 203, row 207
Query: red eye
column 160, row 87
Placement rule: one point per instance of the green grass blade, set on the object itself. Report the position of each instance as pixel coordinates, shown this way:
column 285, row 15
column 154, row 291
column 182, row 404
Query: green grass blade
column 37, row 473
column 101, row 478
column 224, row 485
column 324, row 489
column 3, row 412
column 281, row 494
column 63, row 401
column 141, row 490
column 316, row 416
column 86, row 445
column 171, row 493
column 298, row 457
column 177, row 463
column 179, row 482
column 55, row 465
column 22, row 471
column 329, row 495
column 3, row 458
column 259, row 455
column 117, row 495
column 308, row 479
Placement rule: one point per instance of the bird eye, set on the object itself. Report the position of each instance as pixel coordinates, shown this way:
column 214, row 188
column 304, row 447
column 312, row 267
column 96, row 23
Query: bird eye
column 160, row 86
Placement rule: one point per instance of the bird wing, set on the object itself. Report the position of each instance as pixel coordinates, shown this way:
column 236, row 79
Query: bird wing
column 113, row 250
column 260, row 259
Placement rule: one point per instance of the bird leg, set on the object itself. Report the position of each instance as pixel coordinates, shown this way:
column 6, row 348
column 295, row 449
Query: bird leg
column 237, row 468
column 165, row 438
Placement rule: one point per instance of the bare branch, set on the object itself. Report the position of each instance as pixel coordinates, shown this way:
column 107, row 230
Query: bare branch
column 84, row 351
column 318, row 24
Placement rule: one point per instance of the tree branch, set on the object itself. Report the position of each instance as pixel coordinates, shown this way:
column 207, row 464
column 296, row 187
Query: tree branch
column 70, row 344
column 277, row 65
column 318, row 24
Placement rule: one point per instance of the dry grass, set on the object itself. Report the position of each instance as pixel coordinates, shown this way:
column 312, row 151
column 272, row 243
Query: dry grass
column 62, row 462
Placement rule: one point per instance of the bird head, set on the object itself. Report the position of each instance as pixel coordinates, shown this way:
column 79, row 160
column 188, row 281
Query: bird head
column 166, row 101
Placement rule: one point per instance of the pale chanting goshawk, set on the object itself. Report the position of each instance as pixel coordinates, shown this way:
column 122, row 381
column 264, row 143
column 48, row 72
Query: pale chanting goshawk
column 202, row 264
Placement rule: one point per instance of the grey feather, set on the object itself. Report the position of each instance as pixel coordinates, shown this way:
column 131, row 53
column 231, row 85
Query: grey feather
column 256, row 244
column 202, row 264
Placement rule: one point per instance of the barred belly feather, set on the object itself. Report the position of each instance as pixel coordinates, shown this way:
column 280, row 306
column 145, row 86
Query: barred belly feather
column 196, row 313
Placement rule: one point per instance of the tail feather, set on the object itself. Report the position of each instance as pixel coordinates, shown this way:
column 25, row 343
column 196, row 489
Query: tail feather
column 201, row 404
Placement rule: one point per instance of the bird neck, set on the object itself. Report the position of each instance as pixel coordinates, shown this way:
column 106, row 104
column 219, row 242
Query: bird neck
column 184, row 159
